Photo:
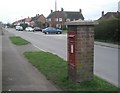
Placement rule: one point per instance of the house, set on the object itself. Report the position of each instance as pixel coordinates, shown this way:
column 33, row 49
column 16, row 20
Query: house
column 38, row 20
column 18, row 22
column 58, row 18
column 28, row 21
column 109, row 16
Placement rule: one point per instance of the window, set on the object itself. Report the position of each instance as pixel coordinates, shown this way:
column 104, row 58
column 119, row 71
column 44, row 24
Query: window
column 56, row 19
column 58, row 26
column 49, row 19
column 60, row 19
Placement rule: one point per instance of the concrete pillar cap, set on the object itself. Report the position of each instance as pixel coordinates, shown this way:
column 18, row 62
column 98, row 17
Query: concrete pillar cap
column 81, row 22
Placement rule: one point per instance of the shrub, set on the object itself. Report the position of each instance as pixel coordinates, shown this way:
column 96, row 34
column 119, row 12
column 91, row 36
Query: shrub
column 108, row 31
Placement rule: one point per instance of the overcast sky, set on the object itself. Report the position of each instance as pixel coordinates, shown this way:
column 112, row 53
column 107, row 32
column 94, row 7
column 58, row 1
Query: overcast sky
column 11, row 10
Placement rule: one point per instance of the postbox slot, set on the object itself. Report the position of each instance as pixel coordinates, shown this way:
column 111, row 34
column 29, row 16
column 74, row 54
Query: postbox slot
column 71, row 36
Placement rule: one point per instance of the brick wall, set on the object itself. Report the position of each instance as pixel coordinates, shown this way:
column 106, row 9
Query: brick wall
column 84, row 51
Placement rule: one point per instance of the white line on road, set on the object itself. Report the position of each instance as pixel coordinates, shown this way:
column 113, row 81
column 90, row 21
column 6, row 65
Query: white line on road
column 43, row 49
column 39, row 48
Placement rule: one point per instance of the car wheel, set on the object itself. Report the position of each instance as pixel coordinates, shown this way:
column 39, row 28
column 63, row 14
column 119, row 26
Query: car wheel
column 59, row 32
column 47, row 32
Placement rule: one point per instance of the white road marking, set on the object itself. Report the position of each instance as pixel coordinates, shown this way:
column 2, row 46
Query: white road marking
column 43, row 49
column 39, row 48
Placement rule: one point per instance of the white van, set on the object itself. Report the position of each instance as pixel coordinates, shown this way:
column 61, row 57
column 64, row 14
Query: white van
column 19, row 28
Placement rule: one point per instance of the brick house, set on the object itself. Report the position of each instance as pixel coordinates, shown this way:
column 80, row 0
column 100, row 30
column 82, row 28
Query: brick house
column 18, row 22
column 28, row 20
column 58, row 18
column 38, row 20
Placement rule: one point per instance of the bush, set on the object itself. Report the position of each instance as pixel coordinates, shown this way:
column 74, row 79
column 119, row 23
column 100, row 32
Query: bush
column 24, row 25
column 108, row 31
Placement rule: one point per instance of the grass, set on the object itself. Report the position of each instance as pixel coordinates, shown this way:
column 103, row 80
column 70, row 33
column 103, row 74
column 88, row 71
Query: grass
column 18, row 40
column 55, row 69
column 64, row 31
column 108, row 41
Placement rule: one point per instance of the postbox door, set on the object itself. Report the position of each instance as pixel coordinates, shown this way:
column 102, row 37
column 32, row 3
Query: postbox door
column 71, row 48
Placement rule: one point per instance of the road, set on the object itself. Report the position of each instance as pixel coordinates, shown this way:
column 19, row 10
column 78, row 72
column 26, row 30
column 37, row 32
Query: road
column 105, row 58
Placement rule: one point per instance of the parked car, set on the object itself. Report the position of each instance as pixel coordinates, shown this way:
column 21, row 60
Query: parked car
column 52, row 30
column 19, row 28
column 29, row 29
column 37, row 29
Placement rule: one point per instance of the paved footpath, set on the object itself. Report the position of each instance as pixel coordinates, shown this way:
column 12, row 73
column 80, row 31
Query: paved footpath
column 18, row 74
column 0, row 60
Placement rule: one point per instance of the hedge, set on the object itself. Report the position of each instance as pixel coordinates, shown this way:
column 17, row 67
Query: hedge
column 108, row 31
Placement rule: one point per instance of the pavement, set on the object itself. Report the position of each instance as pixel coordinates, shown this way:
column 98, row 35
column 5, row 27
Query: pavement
column 0, row 60
column 18, row 74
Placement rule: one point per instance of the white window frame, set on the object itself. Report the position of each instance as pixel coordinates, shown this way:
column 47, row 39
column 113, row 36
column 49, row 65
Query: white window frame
column 60, row 19
column 49, row 19
column 56, row 19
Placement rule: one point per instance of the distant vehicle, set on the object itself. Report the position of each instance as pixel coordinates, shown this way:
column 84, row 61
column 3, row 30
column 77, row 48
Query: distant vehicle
column 29, row 29
column 37, row 29
column 52, row 30
column 19, row 28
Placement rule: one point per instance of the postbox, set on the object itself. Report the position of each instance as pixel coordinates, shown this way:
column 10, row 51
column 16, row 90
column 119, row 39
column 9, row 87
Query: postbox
column 80, row 50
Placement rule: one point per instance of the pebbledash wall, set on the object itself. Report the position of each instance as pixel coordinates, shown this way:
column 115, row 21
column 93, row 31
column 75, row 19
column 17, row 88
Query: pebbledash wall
column 80, row 50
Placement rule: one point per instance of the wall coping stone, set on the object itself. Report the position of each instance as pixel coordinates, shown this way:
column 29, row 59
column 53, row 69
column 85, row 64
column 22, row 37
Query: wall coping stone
column 81, row 23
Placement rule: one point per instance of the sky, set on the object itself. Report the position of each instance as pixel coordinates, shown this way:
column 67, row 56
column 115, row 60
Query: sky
column 13, row 10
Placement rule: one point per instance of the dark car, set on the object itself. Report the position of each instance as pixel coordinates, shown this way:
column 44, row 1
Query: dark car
column 52, row 30
column 37, row 29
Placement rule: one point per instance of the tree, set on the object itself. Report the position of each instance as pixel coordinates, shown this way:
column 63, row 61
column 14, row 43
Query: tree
column 24, row 25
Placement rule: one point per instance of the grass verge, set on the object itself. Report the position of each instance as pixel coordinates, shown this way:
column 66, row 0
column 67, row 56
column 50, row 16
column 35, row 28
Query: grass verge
column 55, row 69
column 18, row 40
column 64, row 31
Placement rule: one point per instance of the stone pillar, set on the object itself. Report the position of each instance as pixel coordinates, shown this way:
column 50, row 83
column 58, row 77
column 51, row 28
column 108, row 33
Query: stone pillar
column 80, row 50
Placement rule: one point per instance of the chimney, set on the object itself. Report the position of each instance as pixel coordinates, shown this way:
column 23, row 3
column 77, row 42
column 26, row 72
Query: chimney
column 51, row 11
column 80, row 10
column 62, row 9
column 102, row 13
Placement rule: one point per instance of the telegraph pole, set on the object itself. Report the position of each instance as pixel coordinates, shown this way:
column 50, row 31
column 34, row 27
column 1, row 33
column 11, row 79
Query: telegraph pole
column 55, row 5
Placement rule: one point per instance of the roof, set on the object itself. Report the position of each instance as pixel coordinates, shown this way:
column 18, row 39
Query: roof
column 36, row 17
column 74, row 15
column 110, row 15
column 68, row 14
column 27, row 19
